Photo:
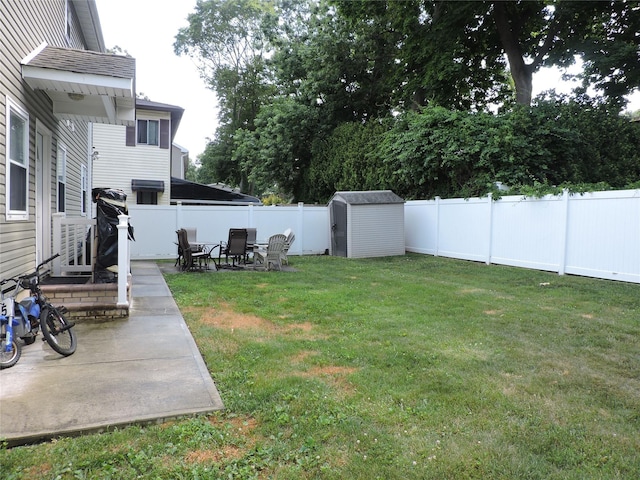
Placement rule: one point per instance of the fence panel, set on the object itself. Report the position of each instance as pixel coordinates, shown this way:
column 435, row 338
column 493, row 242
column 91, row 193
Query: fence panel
column 155, row 226
column 603, row 235
column 596, row 234
column 528, row 233
column 421, row 226
column 463, row 228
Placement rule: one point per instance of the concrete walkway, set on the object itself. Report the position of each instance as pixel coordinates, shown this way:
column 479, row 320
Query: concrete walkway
column 140, row 369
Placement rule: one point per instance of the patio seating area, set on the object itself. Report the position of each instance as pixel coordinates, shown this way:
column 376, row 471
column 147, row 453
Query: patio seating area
column 240, row 251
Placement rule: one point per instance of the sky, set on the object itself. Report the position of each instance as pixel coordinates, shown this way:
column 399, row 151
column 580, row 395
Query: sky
column 146, row 29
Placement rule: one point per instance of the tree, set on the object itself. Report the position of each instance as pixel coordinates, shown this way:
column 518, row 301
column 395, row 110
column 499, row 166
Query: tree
column 464, row 42
column 227, row 39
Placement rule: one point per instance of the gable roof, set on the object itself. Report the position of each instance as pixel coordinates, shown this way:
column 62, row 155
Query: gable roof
column 175, row 111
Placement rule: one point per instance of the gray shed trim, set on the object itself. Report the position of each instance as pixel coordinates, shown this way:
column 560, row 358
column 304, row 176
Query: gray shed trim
column 368, row 197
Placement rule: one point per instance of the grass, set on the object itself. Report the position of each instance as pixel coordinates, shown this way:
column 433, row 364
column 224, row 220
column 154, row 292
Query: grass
column 404, row 367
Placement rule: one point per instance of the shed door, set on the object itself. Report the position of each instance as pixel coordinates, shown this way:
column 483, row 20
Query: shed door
column 338, row 229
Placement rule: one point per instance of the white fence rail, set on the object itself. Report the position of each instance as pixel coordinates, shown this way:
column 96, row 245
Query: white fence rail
column 155, row 226
column 595, row 234
column 70, row 241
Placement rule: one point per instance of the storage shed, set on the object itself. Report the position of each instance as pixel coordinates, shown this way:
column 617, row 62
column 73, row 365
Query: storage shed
column 367, row 224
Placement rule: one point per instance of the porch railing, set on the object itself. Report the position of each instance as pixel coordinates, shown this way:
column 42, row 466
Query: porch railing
column 74, row 237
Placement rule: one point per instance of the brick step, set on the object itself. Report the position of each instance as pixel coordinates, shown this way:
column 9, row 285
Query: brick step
column 88, row 301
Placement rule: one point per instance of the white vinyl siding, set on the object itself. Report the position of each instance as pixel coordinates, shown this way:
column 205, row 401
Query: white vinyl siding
column 24, row 25
column 118, row 164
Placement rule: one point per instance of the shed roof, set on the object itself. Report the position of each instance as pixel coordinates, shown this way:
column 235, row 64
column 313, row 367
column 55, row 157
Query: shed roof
column 368, row 197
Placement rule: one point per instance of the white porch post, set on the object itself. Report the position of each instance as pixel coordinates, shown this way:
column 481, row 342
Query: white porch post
column 123, row 259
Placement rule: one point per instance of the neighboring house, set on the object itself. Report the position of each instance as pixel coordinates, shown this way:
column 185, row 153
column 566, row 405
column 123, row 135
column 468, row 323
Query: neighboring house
column 137, row 159
column 145, row 163
column 179, row 161
column 57, row 85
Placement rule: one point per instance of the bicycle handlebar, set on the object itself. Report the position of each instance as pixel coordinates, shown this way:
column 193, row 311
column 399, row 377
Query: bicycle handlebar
column 45, row 262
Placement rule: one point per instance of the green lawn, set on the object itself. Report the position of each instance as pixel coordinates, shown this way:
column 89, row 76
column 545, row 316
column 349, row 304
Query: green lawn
column 404, row 367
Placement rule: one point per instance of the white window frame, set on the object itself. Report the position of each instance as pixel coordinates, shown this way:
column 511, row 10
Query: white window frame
column 148, row 121
column 15, row 109
column 84, row 192
column 61, row 178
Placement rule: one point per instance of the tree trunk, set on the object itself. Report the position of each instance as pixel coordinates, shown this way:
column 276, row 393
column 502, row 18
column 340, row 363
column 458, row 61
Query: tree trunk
column 521, row 73
column 523, row 79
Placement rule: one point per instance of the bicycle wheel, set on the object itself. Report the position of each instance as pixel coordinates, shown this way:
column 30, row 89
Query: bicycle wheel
column 58, row 331
column 9, row 359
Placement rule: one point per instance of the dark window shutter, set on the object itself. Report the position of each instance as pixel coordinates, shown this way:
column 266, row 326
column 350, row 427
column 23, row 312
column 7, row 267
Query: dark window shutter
column 131, row 136
column 165, row 137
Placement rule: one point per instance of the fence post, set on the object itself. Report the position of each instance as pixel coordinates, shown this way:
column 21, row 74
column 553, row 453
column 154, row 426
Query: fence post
column 250, row 223
column 490, row 228
column 300, row 227
column 178, row 215
column 123, row 259
column 437, row 225
column 563, row 233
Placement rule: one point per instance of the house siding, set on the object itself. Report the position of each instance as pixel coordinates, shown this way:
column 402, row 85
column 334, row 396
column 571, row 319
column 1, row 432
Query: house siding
column 23, row 27
column 118, row 164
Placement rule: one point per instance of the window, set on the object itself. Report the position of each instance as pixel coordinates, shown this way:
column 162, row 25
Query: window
column 83, row 190
column 62, row 178
column 148, row 131
column 147, row 198
column 67, row 21
column 17, row 162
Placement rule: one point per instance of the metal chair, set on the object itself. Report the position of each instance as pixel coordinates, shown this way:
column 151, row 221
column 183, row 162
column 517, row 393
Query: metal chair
column 236, row 247
column 190, row 255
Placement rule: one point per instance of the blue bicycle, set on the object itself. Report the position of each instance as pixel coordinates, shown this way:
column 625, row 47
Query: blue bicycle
column 23, row 319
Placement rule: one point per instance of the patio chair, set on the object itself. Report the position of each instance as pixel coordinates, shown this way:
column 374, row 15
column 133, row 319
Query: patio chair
column 236, row 247
column 191, row 237
column 251, row 241
column 271, row 254
column 285, row 251
column 191, row 258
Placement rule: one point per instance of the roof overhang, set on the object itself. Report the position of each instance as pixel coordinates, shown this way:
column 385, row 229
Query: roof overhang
column 84, row 85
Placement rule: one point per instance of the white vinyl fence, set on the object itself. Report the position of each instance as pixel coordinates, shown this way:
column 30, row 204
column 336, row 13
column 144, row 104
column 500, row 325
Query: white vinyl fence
column 155, row 226
column 595, row 234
